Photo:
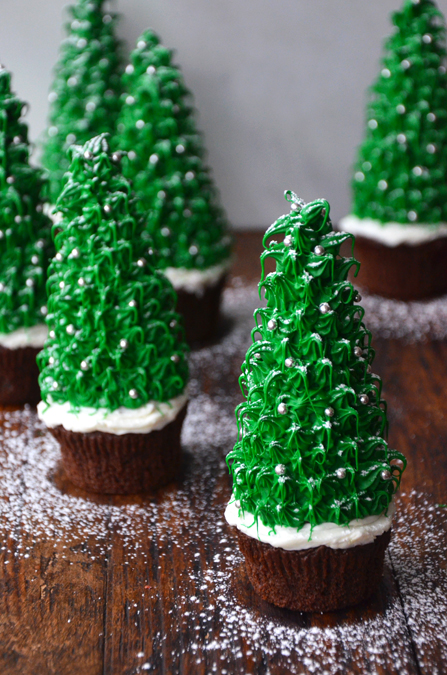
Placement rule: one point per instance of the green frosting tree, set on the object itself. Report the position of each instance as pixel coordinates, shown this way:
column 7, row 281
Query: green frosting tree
column 25, row 232
column 402, row 164
column 311, row 445
column 173, row 184
column 115, row 339
column 85, row 97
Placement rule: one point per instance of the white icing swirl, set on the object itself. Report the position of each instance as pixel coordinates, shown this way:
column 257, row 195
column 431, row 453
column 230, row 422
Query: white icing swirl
column 150, row 417
column 34, row 336
column 392, row 234
column 196, row 281
column 335, row 536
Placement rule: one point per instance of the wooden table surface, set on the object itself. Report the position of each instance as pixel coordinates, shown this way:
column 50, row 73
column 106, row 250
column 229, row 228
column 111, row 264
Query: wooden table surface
column 102, row 586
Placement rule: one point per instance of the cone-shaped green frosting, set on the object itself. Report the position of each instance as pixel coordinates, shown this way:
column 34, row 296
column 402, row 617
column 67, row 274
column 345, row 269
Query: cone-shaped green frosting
column 311, row 447
column 402, row 163
column 85, row 95
column 25, row 232
column 113, row 328
column 172, row 182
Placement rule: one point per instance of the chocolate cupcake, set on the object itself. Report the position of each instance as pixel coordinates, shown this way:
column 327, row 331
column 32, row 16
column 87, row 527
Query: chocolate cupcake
column 113, row 369
column 399, row 213
column 174, row 186
column 313, row 476
column 25, row 248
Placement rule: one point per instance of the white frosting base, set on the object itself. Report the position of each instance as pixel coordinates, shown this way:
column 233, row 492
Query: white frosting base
column 358, row 532
column 150, row 417
column 392, row 234
column 34, row 336
column 196, row 281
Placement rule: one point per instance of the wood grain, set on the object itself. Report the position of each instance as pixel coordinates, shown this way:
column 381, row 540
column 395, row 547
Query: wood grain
column 156, row 584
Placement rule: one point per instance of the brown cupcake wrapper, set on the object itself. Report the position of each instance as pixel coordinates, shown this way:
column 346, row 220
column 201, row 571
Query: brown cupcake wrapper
column 318, row 579
column 111, row 464
column 402, row 272
column 201, row 312
column 19, row 376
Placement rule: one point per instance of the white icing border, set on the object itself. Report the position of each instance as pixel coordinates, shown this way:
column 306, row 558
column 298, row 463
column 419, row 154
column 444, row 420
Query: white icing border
column 194, row 280
column 150, row 417
column 392, row 234
column 34, row 336
column 357, row 533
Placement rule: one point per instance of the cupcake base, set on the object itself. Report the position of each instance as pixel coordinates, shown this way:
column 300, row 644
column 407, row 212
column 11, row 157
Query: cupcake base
column 317, row 579
column 201, row 312
column 19, row 376
column 111, row 464
column 402, row 272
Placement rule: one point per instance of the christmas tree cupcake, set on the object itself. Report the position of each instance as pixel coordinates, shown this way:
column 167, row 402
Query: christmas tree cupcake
column 313, row 476
column 85, row 96
column 113, row 370
column 25, row 248
column 174, row 186
column 399, row 212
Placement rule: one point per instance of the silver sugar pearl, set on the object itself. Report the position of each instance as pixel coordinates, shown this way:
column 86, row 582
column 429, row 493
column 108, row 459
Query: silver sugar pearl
column 329, row 412
column 88, row 154
column 289, row 362
column 35, row 259
column 61, row 284
column 280, row 469
column 44, row 310
column 180, row 149
column 116, row 157
column 288, row 240
column 133, row 393
column 107, row 209
column 133, row 303
column 364, row 399
column 319, row 250
column 59, row 257
column 52, row 334
column 55, row 385
column 124, row 344
column 74, row 253
column 10, row 180
column 40, row 243
column 357, row 297
column 51, row 360
column 81, row 281
column 257, row 355
column 173, row 323
column 341, row 473
column 70, row 329
column 385, row 474
column 325, row 308
column 29, row 283
column 2, row 286
column 358, row 352
column 175, row 358
column 141, row 262
column 84, row 365
column 282, row 409
column 271, row 325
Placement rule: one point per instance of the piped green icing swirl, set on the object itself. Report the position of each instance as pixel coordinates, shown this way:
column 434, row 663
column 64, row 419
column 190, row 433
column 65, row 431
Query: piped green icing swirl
column 85, row 95
column 171, row 180
column 308, row 449
column 115, row 339
column 400, row 172
column 25, row 231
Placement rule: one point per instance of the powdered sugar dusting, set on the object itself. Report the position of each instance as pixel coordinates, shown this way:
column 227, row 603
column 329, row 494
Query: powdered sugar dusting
column 235, row 632
column 410, row 321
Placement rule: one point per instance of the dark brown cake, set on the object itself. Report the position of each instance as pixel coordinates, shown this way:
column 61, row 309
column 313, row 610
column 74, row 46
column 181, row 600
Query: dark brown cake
column 402, row 272
column 18, row 376
column 201, row 312
column 112, row 464
column 318, row 579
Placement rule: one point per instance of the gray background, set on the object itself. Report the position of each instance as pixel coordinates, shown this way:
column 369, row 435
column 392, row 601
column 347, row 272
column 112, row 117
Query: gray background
column 280, row 85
